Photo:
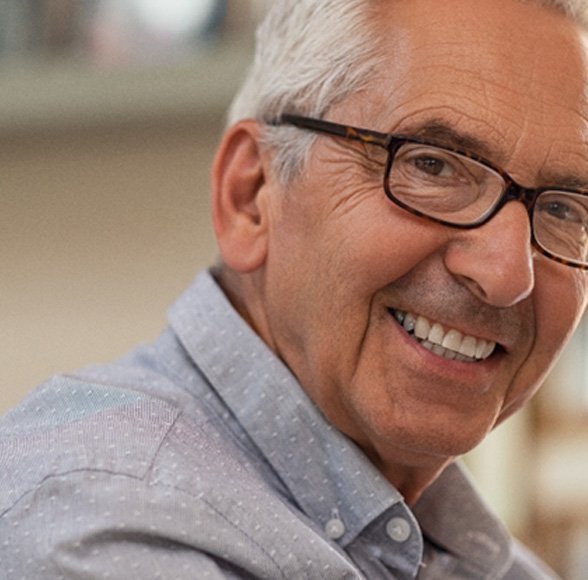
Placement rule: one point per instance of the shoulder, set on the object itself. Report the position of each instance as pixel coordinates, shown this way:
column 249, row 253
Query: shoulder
column 91, row 473
column 69, row 425
column 72, row 425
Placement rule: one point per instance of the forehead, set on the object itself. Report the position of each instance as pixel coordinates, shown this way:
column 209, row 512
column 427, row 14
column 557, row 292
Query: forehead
column 512, row 75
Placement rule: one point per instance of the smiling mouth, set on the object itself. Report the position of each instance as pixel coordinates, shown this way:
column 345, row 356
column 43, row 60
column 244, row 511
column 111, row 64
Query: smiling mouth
column 447, row 343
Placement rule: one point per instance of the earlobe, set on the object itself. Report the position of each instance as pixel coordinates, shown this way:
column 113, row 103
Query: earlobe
column 238, row 198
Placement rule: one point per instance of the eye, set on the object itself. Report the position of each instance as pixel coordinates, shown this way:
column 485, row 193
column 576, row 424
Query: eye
column 434, row 166
column 563, row 211
column 557, row 209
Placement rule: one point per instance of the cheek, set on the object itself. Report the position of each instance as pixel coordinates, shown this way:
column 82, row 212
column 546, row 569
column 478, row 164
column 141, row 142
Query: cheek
column 559, row 301
column 387, row 244
column 561, row 295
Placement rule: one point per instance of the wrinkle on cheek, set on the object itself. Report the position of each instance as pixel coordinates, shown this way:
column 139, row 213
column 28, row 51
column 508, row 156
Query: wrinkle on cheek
column 348, row 204
column 525, row 382
column 581, row 287
column 561, row 303
column 547, row 343
column 550, row 324
column 582, row 113
column 354, row 186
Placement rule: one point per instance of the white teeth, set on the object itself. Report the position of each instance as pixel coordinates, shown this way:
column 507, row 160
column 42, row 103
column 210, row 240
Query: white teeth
column 450, row 344
column 484, row 349
column 452, row 340
column 437, row 333
column 481, row 348
column 468, row 346
column 409, row 322
column 438, row 350
column 450, row 354
column 422, row 328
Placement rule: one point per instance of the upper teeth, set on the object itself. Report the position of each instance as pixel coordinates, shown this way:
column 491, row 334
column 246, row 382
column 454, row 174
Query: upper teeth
column 449, row 343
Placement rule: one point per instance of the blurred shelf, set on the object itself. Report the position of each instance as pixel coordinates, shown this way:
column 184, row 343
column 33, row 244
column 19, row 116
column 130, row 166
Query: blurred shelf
column 42, row 95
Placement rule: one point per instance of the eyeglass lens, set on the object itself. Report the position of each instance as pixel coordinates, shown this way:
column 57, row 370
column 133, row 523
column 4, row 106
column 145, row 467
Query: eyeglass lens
column 458, row 190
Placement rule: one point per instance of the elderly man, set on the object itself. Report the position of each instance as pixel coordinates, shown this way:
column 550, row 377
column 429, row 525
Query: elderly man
column 399, row 209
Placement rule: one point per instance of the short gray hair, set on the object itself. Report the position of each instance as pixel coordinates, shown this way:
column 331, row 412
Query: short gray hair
column 577, row 10
column 311, row 55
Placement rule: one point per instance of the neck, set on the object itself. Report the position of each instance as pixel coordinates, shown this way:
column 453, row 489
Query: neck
column 412, row 482
column 242, row 290
column 409, row 471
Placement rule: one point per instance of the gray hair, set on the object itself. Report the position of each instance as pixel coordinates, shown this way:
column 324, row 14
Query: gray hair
column 577, row 10
column 311, row 55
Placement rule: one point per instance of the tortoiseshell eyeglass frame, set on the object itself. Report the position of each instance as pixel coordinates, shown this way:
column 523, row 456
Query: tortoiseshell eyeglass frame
column 392, row 143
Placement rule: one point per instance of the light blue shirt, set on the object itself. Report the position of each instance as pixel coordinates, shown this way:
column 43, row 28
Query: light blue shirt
column 201, row 456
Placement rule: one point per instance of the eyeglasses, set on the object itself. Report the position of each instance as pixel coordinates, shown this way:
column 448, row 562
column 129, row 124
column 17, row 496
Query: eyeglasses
column 462, row 190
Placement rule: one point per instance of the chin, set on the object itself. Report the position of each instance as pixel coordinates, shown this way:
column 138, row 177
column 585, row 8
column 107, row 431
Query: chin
column 430, row 443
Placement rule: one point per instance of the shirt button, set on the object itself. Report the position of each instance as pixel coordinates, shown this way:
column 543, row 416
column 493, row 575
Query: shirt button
column 335, row 529
column 398, row 529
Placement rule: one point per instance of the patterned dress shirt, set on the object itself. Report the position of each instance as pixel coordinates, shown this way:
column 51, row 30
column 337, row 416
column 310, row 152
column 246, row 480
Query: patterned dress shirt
column 201, row 457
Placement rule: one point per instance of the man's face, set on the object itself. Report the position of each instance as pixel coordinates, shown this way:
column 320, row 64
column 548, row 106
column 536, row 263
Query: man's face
column 345, row 264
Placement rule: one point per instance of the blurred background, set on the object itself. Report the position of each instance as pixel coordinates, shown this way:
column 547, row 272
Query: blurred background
column 110, row 112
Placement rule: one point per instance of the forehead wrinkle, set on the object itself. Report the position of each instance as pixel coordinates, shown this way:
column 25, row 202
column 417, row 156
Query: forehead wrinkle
column 564, row 166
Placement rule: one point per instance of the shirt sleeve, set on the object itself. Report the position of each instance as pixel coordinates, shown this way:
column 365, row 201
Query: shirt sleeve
column 99, row 525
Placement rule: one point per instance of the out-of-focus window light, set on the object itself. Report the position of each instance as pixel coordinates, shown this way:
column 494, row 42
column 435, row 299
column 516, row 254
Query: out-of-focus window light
column 144, row 30
column 108, row 32
column 174, row 17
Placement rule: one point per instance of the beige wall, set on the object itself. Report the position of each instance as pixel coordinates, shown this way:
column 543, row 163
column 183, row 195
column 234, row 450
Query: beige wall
column 100, row 230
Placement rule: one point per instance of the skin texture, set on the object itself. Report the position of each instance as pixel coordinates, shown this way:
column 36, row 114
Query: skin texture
column 316, row 265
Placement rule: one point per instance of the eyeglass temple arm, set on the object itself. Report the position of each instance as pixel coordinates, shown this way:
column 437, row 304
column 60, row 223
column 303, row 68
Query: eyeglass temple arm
column 329, row 128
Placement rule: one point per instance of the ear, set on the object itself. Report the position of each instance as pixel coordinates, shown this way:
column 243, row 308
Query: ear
column 240, row 211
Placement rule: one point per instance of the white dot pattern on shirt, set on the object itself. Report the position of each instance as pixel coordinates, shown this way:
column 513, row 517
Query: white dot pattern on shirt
column 208, row 479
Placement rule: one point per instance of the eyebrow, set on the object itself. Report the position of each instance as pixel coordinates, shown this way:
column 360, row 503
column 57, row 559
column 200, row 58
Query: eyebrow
column 557, row 180
column 443, row 134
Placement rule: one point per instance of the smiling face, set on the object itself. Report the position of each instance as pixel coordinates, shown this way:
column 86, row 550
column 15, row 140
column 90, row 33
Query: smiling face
column 349, row 277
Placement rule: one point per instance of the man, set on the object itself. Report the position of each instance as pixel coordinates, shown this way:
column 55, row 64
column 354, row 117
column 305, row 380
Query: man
column 399, row 209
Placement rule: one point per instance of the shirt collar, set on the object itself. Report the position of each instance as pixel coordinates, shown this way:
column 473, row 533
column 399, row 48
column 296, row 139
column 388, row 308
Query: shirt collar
column 324, row 471
column 454, row 516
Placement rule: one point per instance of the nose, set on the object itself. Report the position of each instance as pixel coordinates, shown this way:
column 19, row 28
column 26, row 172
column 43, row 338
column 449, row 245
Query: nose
column 495, row 261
